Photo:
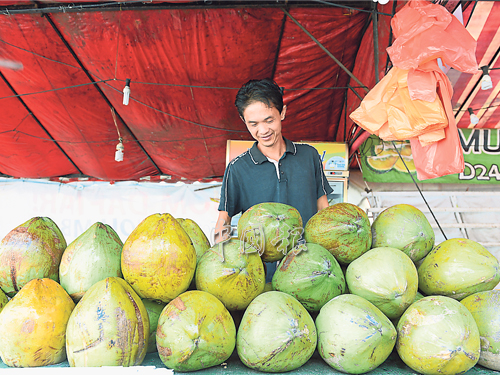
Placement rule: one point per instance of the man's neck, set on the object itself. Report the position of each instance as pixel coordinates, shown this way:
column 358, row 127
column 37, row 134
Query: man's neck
column 274, row 152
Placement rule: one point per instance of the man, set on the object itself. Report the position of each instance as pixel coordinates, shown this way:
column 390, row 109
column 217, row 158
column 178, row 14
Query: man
column 274, row 169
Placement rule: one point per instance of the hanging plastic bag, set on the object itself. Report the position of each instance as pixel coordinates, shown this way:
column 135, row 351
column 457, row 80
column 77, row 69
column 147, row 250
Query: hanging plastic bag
column 445, row 156
column 425, row 31
column 389, row 112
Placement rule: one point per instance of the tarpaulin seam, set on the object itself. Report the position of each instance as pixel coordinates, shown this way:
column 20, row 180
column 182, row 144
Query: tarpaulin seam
column 67, row 45
column 39, row 123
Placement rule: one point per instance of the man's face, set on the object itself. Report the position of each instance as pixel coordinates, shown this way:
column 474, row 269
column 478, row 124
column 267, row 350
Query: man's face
column 264, row 123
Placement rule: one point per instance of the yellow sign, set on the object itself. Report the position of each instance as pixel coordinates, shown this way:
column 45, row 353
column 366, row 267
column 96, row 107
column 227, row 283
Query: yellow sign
column 334, row 155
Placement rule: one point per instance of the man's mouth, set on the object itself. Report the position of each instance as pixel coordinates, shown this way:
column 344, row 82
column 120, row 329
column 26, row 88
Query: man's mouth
column 266, row 138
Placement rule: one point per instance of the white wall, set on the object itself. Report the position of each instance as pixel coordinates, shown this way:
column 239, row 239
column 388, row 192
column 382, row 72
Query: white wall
column 75, row 206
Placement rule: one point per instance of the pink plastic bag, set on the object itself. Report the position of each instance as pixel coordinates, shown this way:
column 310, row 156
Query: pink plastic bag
column 425, row 31
column 445, row 156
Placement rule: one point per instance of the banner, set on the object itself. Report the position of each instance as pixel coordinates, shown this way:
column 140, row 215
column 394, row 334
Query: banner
column 381, row 162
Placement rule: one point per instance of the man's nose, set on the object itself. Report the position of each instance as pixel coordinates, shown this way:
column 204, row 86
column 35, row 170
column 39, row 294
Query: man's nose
column 263, row 129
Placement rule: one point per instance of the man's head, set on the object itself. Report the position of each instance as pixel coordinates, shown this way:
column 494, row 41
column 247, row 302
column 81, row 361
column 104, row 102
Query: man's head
column 265, row 91
column 260, row 104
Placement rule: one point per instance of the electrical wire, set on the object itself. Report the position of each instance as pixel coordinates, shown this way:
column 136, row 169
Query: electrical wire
column 112, row 140
column 116, row 125
column 63, row 8
column 235, row 88
column 56, row 89
column 179, row 118
column 420, row 191
column 36, row 54
column 351, row 8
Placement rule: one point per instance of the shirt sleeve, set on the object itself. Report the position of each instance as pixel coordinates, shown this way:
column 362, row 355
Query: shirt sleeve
column 322, row 185
column 229, row 193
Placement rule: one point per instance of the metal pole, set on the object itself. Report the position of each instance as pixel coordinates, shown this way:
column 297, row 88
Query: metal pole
column 327, row 52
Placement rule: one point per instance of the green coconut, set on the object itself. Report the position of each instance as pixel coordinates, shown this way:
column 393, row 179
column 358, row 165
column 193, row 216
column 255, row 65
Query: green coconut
column 438, row 335
column 268, row 287
column 418, row 297
column 3, row 299
column 195, row 331
column 386, row 277
column 158, row 259
column 33, row 250
column 406, row 228
column 457, row 268
column 92, row 257
column 354, row 336
column 276, row 334
column 343, row 229
column 311, row 274
column 485, row 308
column 233, row 272
column 33, row 325
column 108, row 327
column 198, row 238
column 154, row 309
column 272, row 228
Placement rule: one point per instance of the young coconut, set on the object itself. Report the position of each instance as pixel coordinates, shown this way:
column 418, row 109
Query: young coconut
column 485, row 308
column 438, row 335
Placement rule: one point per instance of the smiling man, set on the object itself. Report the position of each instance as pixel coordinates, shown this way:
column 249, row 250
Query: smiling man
column 274, row 169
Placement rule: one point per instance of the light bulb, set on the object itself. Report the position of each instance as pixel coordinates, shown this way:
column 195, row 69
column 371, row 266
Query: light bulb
column 126, row 92
column 383, row 2
column 119, row 151
column 474, row 120
column 486, row 83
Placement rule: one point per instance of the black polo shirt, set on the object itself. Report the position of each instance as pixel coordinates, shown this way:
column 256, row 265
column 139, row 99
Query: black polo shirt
column 251, row 178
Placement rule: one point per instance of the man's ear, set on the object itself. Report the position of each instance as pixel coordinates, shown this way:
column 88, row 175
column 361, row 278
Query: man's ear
column 283, row 112
column 242, row 119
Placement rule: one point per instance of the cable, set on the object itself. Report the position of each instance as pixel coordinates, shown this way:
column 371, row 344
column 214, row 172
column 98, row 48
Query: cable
column 163, row 84
column 57, row 89
column 346, row 7
column 478, row 109
column 106, row 140
column 63, row 8
column 235, row 88
column 420, row 191
column 36, row 54
column 180, row 118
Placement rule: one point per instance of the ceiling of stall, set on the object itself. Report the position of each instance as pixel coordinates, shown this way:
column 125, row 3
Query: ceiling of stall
column 62, row 113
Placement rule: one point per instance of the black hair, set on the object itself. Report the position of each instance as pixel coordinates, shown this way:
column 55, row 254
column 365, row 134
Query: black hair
column 264, row 90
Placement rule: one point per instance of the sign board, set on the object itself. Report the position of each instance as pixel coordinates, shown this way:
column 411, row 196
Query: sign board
column 381, row 162
column 334, row 155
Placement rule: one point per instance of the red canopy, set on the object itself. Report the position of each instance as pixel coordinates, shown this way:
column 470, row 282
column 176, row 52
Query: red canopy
column 186, row 63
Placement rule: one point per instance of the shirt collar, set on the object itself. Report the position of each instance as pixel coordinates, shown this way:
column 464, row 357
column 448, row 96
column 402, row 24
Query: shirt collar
column 258, row 157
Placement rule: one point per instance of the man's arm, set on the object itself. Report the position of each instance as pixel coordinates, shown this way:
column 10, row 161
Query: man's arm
column 322, row 202
column 221, row 232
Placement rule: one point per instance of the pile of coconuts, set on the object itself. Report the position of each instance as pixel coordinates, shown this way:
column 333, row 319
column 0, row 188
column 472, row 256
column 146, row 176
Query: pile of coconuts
column 349, row 290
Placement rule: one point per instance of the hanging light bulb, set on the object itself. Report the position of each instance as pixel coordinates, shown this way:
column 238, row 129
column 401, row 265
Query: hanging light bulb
column 474, row 120
column 382, row 2
column 126, row 92
column 119, row 150
column 486, row 83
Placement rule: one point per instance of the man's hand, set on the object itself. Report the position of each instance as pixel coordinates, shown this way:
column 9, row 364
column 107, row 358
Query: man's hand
column 221, row 231
column 322, row 202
